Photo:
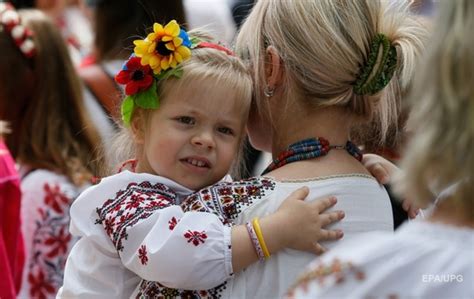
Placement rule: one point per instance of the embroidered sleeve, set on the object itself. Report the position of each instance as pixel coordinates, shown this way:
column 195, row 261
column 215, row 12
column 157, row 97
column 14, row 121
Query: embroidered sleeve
column 228, row 199
column 159, row 242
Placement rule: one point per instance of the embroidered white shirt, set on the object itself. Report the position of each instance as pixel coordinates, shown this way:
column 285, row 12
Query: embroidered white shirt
column 131, row 227
column 46, row 199
column 421, row 260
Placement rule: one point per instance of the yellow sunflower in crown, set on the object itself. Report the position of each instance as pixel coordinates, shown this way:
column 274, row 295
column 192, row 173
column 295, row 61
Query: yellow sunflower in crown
column 164, row 48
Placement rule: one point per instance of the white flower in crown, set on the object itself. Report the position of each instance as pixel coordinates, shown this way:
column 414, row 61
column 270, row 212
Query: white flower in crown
column 18, row 32
column 27, row 47
column 9, row 17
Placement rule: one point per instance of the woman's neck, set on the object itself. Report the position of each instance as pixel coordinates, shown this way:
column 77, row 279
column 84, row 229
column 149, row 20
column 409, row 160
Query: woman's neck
column 330, row 123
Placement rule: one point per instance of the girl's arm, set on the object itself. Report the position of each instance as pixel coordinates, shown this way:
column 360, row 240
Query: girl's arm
column 195, row 250
column 296, row 224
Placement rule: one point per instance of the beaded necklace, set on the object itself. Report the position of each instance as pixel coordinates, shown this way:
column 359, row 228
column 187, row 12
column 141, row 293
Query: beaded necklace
column 308, row 149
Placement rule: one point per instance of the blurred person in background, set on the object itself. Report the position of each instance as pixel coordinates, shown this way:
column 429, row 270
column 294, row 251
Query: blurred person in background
column 116, row 23
column 432, row 258
column 73, row 24
column 215, row 16
column 11, row 243
column 52, row 140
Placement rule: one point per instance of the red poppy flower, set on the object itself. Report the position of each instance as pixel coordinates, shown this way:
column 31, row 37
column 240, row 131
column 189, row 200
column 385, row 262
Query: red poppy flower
column 135, row 76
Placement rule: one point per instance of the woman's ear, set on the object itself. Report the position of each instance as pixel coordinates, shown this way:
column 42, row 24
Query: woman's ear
column 137, row 125
column 273, row 68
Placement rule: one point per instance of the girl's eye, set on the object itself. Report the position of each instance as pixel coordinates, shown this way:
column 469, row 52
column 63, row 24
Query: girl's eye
column 225, row 130
column 186, row 120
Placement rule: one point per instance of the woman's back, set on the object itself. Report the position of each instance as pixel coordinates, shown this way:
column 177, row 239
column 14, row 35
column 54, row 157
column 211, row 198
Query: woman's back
column 365, row 203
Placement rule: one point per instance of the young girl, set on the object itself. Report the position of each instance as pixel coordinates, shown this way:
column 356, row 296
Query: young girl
column 186, row 109
column 52, row 140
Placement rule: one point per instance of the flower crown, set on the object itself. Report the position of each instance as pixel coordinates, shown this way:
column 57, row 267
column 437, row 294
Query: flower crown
column 155, row 58
column 10, row 22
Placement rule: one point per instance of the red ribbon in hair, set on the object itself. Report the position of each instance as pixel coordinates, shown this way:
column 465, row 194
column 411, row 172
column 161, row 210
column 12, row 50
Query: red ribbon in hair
column 215, row 46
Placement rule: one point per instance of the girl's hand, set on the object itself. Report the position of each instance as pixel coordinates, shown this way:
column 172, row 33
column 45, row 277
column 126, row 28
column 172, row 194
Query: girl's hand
column 384, row 170
column 302, row 223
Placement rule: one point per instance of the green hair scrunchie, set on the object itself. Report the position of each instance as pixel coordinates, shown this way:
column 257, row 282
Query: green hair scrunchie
column 369, row 85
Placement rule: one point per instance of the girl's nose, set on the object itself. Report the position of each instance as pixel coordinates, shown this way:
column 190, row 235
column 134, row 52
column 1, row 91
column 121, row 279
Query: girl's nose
column 203, row 139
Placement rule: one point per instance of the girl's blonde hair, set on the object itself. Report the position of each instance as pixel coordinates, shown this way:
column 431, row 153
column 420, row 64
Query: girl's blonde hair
column 41, row 98
column 441, row 152
column 214, row 66
column 323, row 46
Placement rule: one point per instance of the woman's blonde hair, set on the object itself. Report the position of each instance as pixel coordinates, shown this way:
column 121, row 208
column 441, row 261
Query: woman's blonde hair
column 323, row 46
column 205, row 63
column 42, row 101
column 441, row 152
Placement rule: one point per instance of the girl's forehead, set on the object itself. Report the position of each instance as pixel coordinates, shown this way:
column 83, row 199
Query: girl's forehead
column 206, row 94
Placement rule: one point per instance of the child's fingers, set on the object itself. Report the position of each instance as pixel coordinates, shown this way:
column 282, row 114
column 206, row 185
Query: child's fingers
column 368, row 159
column 413, row 212
column 330, row 217
column 329, row 235
column 299, row 194
column 323, row 204
column 406, row 205
column 380, row 173
column 318, row 249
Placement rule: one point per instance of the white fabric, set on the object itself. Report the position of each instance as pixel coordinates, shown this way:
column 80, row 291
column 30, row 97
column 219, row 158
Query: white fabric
column 367, row 208
column 46, row 199
column 213, row 15
column 95, row 269
column 422, row 260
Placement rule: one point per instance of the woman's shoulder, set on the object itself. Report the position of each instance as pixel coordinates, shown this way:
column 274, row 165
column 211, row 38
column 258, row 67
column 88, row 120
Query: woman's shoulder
column 229, row 199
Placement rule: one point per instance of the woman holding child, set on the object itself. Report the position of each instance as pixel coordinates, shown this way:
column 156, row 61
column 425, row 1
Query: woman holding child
column 320, row 68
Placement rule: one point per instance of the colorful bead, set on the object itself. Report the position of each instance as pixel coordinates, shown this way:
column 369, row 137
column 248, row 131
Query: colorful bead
column 308, row 149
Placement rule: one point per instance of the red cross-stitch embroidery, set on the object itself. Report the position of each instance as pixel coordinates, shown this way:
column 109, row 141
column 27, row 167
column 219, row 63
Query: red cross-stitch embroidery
column 135, row 203
column 172, row 223
column 195, row 237
column 40, row 287
column 55, row 198
column 143, row 255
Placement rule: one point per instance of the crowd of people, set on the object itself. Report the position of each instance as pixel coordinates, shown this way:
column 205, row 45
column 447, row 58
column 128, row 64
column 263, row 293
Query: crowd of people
column 130, row 130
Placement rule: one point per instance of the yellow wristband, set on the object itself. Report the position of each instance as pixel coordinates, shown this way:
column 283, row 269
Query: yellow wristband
column 258, row 232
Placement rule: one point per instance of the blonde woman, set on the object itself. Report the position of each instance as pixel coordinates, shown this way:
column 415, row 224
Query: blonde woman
column 320, row 68
column 432, row 258
column 52, row 140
